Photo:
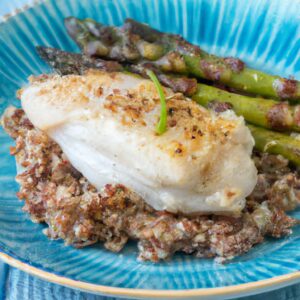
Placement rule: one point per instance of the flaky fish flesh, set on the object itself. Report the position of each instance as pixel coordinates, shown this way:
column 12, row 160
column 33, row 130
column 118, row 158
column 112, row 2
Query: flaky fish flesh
column 105, row 124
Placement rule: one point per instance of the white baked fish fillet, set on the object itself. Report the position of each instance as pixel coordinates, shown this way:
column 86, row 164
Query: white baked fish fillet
column 105, row 124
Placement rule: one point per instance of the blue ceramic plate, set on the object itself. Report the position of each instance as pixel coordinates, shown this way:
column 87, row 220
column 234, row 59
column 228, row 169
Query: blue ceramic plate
column 266, row 34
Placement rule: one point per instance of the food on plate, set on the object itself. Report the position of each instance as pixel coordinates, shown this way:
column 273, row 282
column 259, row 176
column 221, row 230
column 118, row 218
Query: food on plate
column 277, row 143
column 73, row 63
column 266, row 113
column 106, row 125
column 263, row 112
column 137, row 42
column 56, row 193
column 135, row 148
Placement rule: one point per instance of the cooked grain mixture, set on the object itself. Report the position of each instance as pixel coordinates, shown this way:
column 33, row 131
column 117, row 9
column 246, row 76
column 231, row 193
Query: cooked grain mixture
column 55, row 193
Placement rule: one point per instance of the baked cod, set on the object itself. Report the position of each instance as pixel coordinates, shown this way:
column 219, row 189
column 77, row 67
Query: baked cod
column 105, row 124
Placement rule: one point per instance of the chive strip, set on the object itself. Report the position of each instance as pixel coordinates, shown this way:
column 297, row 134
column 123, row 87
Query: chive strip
column 161, row 127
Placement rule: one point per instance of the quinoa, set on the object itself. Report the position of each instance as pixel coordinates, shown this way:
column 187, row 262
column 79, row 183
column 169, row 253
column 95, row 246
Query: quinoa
column 57, row 194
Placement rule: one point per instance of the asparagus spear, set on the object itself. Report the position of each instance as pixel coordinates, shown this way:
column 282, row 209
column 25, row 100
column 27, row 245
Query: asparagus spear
column 266, row 140
column 74, row 63
column 276, row 143
column 265, row 113
column 136, row 42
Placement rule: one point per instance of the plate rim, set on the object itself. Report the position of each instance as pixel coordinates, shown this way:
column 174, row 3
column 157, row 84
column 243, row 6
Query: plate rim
column 31, row 3
column 249, row 288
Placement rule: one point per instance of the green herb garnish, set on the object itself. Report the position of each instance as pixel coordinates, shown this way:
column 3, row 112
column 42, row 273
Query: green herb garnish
column 161, row 127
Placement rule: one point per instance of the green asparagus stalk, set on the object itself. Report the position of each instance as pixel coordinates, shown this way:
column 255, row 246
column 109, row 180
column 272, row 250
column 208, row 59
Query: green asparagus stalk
column 259, row 111
column 74, row 63
column 276, row 143
column 137, row 42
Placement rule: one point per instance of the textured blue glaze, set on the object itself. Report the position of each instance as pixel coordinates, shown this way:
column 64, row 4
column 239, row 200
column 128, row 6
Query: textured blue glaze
column 266, row 34
column 20, row 286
